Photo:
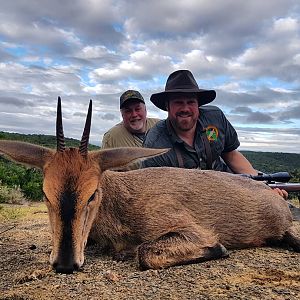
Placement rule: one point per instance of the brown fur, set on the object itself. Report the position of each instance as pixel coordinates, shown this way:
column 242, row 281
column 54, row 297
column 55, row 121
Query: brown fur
column 205, row 208
column 161, row 216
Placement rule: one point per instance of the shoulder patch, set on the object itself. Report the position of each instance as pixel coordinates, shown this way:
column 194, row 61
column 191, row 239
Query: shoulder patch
column 212, row 133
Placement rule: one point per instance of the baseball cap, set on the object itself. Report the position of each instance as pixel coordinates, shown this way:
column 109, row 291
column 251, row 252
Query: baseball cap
column 130, row 94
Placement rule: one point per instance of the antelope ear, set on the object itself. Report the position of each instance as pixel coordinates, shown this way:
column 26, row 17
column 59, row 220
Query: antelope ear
column 119, row 157
column 25, row 153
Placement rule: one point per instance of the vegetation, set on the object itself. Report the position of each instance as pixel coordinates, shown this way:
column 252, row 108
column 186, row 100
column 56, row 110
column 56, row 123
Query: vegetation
column 11, row 195
column 270, row 162
column 17, row 212
column 18, row 183
column 41, row 139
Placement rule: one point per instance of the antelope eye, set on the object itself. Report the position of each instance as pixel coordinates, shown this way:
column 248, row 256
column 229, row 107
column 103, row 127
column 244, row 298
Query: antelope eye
column 92, row 198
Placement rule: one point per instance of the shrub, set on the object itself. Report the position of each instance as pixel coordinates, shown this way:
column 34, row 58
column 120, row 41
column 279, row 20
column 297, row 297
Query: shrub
column 11, row 195
column 29, row 180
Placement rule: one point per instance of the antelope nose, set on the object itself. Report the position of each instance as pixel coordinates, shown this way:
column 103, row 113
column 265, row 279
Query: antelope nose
column 65, row 269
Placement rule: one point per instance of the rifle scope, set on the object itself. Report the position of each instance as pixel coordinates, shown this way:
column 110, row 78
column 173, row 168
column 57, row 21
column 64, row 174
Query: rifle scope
column 279, row 177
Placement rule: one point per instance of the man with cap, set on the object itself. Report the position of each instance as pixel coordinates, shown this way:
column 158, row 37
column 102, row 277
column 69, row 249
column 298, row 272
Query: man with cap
column 131, row 131
column 199, row 136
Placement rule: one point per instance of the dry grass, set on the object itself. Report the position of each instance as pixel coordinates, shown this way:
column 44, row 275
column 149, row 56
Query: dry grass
column 28, row 211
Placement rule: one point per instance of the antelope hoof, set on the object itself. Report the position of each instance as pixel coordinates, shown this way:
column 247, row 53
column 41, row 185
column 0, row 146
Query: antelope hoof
column 218, row 251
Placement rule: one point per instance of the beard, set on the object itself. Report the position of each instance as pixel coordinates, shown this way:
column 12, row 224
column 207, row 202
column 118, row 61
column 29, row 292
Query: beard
column 184, row 121
column 137, row 126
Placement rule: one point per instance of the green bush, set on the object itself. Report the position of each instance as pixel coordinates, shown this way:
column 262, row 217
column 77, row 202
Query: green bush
column 295, row 175
column 29, row 180
column 11, row 195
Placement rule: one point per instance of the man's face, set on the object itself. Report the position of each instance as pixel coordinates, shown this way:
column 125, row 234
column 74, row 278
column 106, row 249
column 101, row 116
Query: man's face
column 183, row 111
column 134, row 116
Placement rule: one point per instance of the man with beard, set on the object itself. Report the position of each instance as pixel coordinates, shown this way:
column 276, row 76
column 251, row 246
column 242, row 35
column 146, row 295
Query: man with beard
column 199, row 136
column 132, row 130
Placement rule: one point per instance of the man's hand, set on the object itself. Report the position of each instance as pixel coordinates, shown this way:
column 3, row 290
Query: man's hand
column 282, row 193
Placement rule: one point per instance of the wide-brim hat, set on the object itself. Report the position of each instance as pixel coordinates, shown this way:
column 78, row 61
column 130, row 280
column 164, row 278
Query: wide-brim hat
column 182, row 81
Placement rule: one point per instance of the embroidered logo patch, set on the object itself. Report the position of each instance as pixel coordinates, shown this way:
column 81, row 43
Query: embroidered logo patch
column 212, row 133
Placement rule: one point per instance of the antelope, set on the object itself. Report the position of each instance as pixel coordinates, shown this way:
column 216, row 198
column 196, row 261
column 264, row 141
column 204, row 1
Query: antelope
column 161, row 217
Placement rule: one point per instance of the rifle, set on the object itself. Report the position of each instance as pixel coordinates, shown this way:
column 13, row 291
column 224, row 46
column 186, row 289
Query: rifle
column 277, row 180
column 280, row 180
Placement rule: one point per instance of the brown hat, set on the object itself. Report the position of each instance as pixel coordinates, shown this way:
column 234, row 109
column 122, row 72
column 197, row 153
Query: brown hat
column 130, row 94
column 182, row 81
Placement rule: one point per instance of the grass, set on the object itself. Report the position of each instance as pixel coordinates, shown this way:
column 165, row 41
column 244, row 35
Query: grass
column 9, row 212
column 295, row 201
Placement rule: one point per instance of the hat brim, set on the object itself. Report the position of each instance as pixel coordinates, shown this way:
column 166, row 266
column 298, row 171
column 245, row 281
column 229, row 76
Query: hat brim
column 204, row 96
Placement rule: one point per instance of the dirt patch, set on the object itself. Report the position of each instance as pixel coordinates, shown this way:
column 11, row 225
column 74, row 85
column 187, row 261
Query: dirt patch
column 25, row 245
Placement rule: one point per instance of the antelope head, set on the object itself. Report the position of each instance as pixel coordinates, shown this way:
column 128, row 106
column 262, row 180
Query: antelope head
column 72, row 187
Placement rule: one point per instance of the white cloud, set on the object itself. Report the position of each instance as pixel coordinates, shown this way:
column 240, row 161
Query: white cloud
column 285, row 26
column 102, row 89
column 138, row 66
column 90, row 52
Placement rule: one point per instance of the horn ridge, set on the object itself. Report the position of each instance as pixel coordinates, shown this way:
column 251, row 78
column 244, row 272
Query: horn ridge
column 60, row 139
column 83, row 148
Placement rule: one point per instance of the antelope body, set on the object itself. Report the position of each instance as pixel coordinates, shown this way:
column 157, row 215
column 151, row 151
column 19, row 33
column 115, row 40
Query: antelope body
column 161, row 216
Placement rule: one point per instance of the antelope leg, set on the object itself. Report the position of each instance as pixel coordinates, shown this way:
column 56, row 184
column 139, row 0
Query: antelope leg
column 179, row 248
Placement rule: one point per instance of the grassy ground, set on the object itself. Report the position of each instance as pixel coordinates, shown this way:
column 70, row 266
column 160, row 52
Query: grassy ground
column 29, row 211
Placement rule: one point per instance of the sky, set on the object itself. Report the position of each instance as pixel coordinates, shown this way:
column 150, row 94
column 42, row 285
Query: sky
column 248, row 51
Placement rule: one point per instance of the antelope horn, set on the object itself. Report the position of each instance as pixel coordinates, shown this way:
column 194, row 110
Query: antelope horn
column 59, row 129
column 83, row 148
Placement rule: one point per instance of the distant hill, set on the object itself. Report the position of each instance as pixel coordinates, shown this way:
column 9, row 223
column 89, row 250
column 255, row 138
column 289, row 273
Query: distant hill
column 270, row 162
column 41, row 139
column 267, row 162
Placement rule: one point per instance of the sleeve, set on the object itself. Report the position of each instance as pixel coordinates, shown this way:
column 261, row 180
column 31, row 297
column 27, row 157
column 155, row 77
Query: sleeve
column 107, row 141
column 157, row 161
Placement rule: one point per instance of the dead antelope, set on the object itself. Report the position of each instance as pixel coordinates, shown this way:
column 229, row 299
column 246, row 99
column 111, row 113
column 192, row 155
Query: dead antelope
column 161, row 216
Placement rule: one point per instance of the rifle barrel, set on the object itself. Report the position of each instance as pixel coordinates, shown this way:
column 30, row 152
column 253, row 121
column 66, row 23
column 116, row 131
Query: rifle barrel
column 289, row 187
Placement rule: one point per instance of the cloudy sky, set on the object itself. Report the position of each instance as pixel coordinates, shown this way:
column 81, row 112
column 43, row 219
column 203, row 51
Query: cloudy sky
column 248, row 51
